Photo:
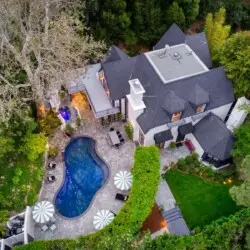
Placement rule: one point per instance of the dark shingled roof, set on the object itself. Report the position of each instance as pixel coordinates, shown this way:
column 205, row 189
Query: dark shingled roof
column 198, row 96
column 163, row 136
column 198, row 43
column 173, row 103
column 186, row 129
column 214, row 137
column 114, row 54
column 176, row 223
column 173, row 36
column 118, row 74
column 214, row 82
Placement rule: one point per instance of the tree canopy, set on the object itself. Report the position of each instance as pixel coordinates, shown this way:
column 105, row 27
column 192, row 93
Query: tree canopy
column 234, row 54
column 216, row 30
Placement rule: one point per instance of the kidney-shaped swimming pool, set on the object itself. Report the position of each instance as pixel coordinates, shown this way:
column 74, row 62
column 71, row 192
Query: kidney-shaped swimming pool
column 85, row 174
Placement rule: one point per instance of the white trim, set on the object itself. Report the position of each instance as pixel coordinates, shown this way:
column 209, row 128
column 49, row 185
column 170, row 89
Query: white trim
column 134, row 106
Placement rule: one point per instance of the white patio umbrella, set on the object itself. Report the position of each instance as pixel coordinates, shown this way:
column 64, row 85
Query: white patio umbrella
column 43, row 211
column 103, row 218
column 123, row 180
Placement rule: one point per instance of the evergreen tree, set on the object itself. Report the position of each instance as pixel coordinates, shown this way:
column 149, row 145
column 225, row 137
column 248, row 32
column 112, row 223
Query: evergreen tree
column 147, row 20
column 216, row 31
column 114, row 21
column 190, row 9
column 176, row 15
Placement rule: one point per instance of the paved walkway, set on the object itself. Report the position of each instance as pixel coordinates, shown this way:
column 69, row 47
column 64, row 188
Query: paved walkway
column 117, row 159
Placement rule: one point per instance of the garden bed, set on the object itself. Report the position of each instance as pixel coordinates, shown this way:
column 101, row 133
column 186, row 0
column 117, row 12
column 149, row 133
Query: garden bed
column 200, row 201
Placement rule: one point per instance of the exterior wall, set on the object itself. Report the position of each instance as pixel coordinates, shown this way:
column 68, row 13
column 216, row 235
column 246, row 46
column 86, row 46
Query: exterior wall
column 29, row 225
column 198, row 149
column 123, row 106
column 132, row 115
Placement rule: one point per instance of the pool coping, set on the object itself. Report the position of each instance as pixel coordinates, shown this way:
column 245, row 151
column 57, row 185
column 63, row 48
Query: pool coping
column 63, row 180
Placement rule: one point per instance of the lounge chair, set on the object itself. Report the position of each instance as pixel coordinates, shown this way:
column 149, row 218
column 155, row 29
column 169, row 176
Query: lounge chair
column 52, row 165
column 121, row 197
column 51, row 178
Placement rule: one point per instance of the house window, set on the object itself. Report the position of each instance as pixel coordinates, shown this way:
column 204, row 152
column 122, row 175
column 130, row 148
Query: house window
column 141, row 138
column 176, row 116
column 200, row 108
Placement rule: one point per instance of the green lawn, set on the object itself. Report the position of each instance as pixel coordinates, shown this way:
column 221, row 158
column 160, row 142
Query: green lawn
column 200, row 201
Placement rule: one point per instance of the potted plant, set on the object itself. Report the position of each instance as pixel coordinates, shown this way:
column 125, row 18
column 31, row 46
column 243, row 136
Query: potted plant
column 172, row 145
column 68, row 130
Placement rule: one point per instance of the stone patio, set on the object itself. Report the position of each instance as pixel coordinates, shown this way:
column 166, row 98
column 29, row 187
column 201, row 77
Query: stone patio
column 116, row 159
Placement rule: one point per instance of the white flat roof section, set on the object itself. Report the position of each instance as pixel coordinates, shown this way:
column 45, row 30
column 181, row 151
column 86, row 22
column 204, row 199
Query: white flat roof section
column 176, row 62
column 96, row 94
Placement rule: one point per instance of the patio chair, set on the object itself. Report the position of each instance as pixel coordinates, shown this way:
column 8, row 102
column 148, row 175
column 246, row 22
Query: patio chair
column 51, row 178
column 53, row 227
column 121, row 197
column 122, row 140
column 53, row 219
column 44, row 228
column 118, row 133
column 111, row 129
column 52, row 165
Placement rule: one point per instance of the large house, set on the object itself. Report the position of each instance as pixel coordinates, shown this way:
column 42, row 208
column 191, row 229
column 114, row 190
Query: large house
column 169, row 94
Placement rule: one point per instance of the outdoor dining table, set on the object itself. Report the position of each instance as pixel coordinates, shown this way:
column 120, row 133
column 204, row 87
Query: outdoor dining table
column 114, row 137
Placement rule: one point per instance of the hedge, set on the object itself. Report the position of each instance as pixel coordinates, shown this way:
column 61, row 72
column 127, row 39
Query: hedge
column 146, row 178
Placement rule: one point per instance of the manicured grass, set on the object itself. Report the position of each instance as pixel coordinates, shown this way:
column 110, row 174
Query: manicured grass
column 200, row 201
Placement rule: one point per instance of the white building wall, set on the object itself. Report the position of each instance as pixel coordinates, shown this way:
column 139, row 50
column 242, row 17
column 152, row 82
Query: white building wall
column 198, row 149
column 29, row 225
column 123, row 106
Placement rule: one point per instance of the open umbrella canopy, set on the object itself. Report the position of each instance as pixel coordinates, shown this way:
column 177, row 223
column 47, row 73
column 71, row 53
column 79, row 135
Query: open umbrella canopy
column 123, row 180
column 43, row 211
column 103, row 218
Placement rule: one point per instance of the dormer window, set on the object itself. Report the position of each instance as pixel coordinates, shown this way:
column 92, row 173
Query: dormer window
column 176, row 116
column 200, row 108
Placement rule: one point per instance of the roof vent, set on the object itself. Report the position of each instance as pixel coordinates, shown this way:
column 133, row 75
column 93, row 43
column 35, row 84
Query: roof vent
column 176, row 56
column 189, row 53
column 162, row 53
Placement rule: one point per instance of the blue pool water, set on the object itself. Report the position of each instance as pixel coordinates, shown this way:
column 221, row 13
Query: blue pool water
column 85, row 174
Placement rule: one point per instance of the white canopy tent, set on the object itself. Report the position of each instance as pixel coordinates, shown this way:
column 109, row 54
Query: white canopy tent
column 43, row 211
column 103, row 218
column 123, row 180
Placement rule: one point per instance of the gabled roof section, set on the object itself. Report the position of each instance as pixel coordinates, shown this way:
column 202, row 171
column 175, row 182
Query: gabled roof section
column 198, row 43
column 214, row 137
column 214, row 82
column 173, row 36
column 117, row 74
column 114, row 54
column 173, row 103
column 198, row 96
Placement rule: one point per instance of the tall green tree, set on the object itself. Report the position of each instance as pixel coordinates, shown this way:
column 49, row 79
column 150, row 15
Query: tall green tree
column 216, row 30
column 176, row 15
column 235, row 56
column 147, row 21
column 190, row 9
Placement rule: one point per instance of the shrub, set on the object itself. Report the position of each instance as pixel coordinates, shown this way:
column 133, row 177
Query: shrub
column 172, row 145
column 78, row 122
column 69, row 129
column 129, row 130
column 49, row 123
column 53, row 151
column 181, row 164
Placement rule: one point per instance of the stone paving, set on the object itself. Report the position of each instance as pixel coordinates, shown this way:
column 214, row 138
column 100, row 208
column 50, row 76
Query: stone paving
column 117, row 159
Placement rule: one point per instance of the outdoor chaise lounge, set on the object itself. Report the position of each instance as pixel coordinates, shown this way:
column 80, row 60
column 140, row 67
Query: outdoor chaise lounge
column 51, row 178
column 121, row 197
column 52, row 165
